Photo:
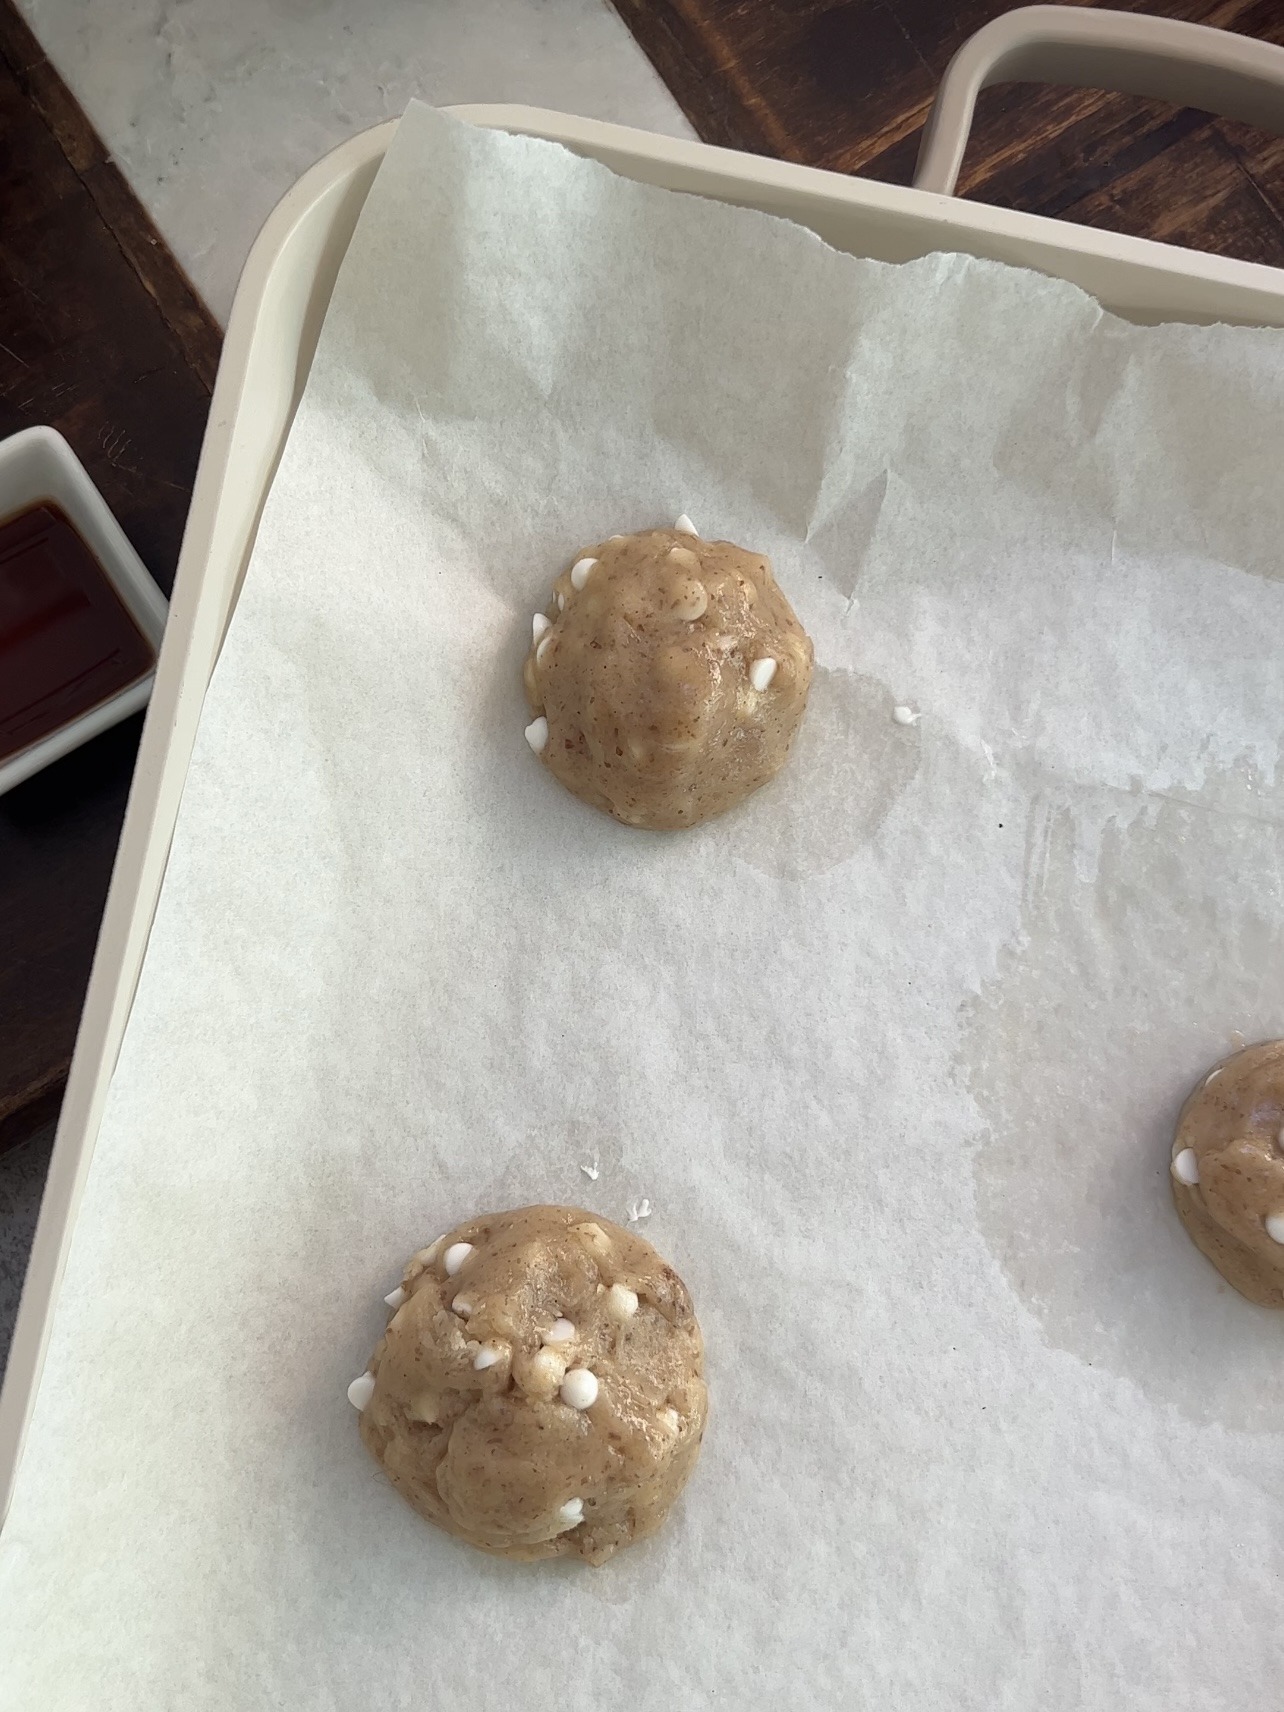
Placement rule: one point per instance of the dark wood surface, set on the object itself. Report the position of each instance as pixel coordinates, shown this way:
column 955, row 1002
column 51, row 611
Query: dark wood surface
column 102, row 337
column 847, row 84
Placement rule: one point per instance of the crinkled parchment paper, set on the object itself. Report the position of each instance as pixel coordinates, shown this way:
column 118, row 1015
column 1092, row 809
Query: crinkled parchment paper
column 894, row 1052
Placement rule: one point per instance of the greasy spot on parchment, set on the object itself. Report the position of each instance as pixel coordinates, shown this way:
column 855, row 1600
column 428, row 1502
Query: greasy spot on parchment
column 1129, row 980
column 849, row 764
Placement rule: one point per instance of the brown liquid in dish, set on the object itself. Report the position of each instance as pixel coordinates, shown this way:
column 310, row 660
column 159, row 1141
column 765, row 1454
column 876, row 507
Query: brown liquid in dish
column 67, row 643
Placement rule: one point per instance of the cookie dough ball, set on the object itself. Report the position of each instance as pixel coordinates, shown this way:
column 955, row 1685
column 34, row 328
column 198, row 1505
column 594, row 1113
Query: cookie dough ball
column 1228, row 1171
column 539, row 1390
column 667, row 678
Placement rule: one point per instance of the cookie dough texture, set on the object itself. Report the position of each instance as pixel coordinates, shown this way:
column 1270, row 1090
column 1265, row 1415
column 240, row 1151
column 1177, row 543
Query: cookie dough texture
column 672, row 674
column 468, row 1416
column 1230, row 1139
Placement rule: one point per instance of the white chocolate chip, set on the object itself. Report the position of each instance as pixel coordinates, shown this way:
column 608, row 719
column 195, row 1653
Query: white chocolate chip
column 540, row 626
column 1275, row 1226
column 905, row 715
column 426, row 1407
column 561, row 1331
column 361, row 1390
column 687, row 527
column 456, row 1255
column 595, row 1237
column 543, row 649
column 579, row 1388
column 487, row 1356
column 1213, row 1075
column 537, row 734
column 544, row 1373
column 461, row 1306
column 621, row 1302
column 615, row 537
column 684, row 557
column 1186, row 1167
column 581, row 571
column 639, row 1210
column 570, row 1515
column 670, row 1420
column 693, row 603
column 395, row 1298
column 762, row 672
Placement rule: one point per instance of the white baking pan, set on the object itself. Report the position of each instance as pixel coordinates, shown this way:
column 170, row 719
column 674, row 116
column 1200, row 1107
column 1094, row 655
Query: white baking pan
column 275, row 321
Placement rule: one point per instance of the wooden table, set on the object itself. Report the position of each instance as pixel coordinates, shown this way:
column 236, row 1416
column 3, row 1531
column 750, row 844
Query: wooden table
column 101, row 335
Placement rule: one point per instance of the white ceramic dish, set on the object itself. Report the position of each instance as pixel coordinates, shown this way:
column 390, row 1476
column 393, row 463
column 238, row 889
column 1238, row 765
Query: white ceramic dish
column 38, row 464
column 280, row 304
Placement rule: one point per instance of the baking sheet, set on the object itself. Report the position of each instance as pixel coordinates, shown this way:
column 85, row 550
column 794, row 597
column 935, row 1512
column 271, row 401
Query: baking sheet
column 893, row 1052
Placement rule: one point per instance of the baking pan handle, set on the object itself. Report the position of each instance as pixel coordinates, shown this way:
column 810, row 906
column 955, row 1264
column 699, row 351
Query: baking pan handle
column 1189, row 64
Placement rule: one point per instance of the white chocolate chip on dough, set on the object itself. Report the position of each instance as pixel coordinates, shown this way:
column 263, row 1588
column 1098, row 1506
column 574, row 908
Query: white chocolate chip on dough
column 1186, row 1167
column 425, row 1407
column 692, row 603
column 537, row 734
column 561, row 1331
column 456, row 1257
column 395, row 1298
column 570, row 1515
column 761, row 673
column 361, row 1390
column 621, row 1302
column 540, row 626
column 581, row 571
column 594, row 1237
column 686, row 526
column 543, row 1374
column 579, row 1388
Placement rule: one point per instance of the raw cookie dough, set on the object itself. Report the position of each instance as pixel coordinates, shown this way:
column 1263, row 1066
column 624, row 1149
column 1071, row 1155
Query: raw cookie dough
column 668, row 677
column 1228, row 1171
column 539, row 1390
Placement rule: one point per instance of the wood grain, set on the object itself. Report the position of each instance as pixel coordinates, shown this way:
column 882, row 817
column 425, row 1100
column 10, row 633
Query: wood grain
column 102, row 337
column 848, row 86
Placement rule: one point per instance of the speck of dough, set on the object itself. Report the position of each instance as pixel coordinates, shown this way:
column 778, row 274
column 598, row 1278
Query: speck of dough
column 1228, row 1171
column 484, row 1427
column 671, row 678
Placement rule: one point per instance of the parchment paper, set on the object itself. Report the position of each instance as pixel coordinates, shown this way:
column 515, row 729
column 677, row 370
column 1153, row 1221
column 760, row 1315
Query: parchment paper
column 894, row 1053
